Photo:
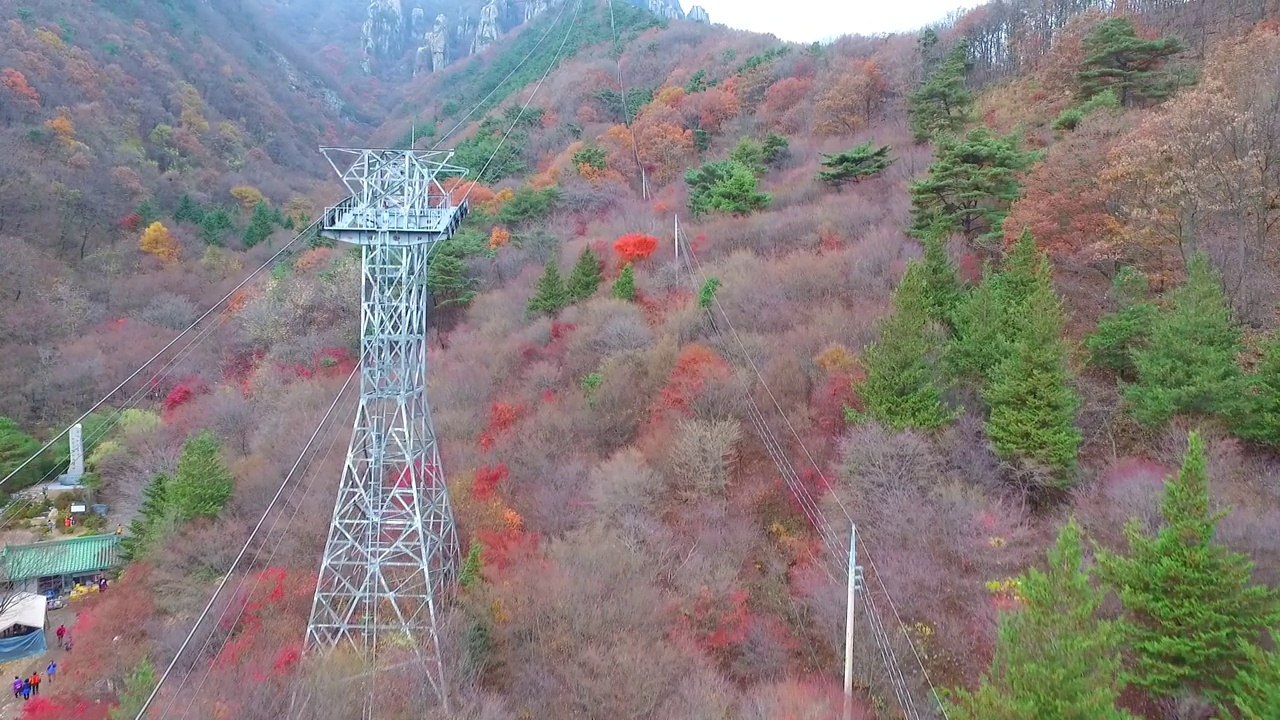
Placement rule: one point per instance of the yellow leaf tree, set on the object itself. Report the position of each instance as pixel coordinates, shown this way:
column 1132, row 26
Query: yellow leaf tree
column 157, row 241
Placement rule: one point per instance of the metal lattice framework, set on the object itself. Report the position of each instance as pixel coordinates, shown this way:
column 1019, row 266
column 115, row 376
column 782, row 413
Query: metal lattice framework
column 393, row 546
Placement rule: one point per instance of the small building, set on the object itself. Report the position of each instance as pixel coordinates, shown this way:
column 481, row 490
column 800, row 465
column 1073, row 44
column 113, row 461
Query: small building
column 22, row 626
column 56, row 566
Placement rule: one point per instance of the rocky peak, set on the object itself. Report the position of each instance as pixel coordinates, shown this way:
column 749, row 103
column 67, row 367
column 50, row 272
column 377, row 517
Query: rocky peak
column 697, row 13
column 487, row 29
column 666, row 9
column 382, row 35
column 433, row 55
column 534, row 8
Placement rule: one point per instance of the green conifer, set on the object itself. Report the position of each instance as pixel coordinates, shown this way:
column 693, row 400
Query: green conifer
column 585, row 277
column 1031, row 401
column 1054, row 660
column 203, row 483
column 1258, row 419
column 549, row 295
column 188, row 210
column 944, row 103
column 1255, row 692
column 260, row 225
column 989, row 321
column 971, row 184
column 863, row 161
column 145, row 528
column 941, row 281
column 1190, row 604
column 902, row 387
column 1112, row 344
column 1189, row 365
column 1117, row 58
column 624, row 288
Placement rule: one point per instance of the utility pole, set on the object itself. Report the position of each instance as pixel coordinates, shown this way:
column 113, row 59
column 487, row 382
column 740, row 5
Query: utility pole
column 677, row 217
column 855, row 581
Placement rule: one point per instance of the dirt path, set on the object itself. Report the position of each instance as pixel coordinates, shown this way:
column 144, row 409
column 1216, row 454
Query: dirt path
column 11, row 707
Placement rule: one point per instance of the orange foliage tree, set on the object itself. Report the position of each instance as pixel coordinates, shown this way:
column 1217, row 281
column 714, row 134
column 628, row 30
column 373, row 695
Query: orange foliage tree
column 157, row 241
column 710, row 109
column 853, row 100
column 248, row 195
column 61, row 126
column 784, row 95
column 666, row 149
column 635, row 246
column 499, row 237
column 15, row 82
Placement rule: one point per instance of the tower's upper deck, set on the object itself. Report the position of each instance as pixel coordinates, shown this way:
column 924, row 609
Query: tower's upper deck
column 396, row 197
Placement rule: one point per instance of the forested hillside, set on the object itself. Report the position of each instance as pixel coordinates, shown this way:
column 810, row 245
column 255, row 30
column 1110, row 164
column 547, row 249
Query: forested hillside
column 1003, row 292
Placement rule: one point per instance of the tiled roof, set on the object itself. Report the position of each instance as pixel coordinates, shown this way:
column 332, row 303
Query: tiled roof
column 60, row 557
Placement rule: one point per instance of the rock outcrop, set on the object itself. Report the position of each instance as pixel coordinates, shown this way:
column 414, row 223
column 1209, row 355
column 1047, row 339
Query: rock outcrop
column 534, row 8
column 382, row 35
column 434, row 53
column 697, row 13
column 666, row 9
column 487, row 29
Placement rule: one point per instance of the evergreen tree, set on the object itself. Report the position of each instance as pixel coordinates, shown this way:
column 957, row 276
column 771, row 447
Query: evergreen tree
column 1112, row 344
column 449, row 276
column 943, row 104
column 902, row 387
column 188, row 210
column 970, row 186
column 260, row 226
column 137, row 688
column 751, row 154
column 862, row 161
column 727, row 186
column 988, row 323
column 151, row 521
column 214, row 225
column 942, row 291
column 1032, row 404
column 707, row 294
column 471, row 566
column 1190, row 605
column 585, row 277
column 202, row 484
column 1255, row 692
column 1054, row 660
column 1117, row 58
column 1258, row 419
column 624, row 288
column 16, row 447
column 549, row 295
column 775, row 149
column 1190, row 363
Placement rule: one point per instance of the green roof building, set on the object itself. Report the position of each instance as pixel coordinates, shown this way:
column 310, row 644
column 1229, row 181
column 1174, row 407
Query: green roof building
column 59, row 564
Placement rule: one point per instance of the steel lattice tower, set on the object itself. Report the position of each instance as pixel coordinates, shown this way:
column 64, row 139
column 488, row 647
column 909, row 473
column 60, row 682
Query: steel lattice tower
column 393, row 546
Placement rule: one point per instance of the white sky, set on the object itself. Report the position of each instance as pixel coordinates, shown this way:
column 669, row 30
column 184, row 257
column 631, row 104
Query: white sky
column 810, row 20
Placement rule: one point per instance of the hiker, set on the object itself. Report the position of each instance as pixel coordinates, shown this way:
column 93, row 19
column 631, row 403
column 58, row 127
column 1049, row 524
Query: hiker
column 67, row 646
column 62, row 630
column 26, row 689
column 119, row 529
column 51, row 670
column 102, row 584
column 35, row 683
column 17, row 686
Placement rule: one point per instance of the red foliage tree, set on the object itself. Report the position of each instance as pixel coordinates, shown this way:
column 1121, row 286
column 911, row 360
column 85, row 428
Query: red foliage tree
column 487, row 479
column 635, row 246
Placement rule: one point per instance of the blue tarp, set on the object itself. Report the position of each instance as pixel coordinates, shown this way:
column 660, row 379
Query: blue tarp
column 22, row 646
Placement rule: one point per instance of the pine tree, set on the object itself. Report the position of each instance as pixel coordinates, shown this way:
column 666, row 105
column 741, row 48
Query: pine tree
column 151, row 521
column 1190, row 363
column 1112, row 343
column 902, row 387
column 1255, row 692
column 707, row 294
column 260, row 226
column 942, row 291
column 1117, row 58
column 727, row 186
column 1031, row 401
column 584, row 279
column 214, row 226
column 988, row 323
column 188, row 210
column 863, row 161
column 549, row 295
column 471, row 566
column 137, row 688
column 203, row 483
column 1258, row 419
column 943, row 104
column 1190, row 605
column 624, row 288
column 1054, row 660
column 971, row 184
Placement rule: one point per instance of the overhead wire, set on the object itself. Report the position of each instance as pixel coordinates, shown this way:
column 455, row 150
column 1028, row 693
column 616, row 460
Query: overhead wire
column 270, row 261
column 346, row 416
column 245, row 548
column 626, row 109
column 806, row 500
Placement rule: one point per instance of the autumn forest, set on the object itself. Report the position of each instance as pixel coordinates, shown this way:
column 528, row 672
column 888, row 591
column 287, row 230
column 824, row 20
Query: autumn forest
column 1004, row 292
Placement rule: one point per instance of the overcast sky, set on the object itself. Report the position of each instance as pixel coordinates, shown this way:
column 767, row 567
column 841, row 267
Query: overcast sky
column 809, row 20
